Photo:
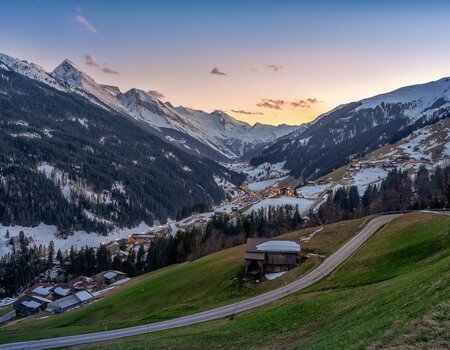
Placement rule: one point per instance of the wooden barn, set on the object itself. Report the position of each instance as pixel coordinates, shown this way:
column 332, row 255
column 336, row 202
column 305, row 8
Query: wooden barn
column 263, row 255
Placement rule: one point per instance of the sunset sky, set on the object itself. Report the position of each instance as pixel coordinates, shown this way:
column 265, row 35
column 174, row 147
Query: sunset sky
column 261, row 61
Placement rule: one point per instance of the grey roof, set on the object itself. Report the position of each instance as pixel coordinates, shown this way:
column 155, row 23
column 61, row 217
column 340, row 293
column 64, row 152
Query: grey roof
column 68, row 301
column 84, row 295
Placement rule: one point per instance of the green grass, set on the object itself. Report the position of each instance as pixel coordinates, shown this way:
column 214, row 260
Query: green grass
column 394, row 291
column 177, row 290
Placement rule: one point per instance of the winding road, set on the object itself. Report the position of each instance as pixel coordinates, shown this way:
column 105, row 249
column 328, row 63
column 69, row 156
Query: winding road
column 330, row 264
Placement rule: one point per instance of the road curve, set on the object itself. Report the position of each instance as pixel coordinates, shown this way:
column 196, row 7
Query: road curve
column 330, row 263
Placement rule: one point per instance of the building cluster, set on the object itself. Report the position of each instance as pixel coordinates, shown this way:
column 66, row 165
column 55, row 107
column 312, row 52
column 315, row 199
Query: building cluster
column 62, row 297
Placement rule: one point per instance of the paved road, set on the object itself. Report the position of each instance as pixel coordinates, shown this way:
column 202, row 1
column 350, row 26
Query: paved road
column 330, row 263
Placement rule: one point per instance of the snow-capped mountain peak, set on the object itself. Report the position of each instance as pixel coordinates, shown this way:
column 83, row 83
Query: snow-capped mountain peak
column 32, row 71
column 216, row 135
column 72, row 75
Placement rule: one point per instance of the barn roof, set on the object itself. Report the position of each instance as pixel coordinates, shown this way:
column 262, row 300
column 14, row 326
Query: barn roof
column 267, row 245
column 279, row 246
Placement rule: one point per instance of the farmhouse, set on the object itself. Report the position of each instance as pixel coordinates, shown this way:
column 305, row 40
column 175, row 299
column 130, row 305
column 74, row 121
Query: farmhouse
column 111, row 276
column 61, row 290
column 81, row 282
column 29, row 305
column 69, row 302
column 263, row 255
column 44, row 290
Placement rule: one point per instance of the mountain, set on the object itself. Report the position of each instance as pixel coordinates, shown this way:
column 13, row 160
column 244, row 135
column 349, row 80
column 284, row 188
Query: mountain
column 215, row 135
column 70, row 74
column 70, row 160
column 336, row 137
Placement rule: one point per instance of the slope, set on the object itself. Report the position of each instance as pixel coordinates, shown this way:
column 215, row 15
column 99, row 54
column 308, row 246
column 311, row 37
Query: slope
column 65, row 160
column 336, row 137
column 180, row 290
column 398, row 279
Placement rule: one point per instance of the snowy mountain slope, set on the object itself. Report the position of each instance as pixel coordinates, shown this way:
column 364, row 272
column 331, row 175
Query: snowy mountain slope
column 69, row 73
column 334, row 138
column 216, row 135
column 35, row 72
column 239, row 137
column 67, row 162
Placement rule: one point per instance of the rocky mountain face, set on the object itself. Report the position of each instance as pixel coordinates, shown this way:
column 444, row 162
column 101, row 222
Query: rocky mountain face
column 334, row 138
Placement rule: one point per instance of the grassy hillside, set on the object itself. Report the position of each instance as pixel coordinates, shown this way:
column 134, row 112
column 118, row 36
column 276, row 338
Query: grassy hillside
column 394, row 291
column 178, row 290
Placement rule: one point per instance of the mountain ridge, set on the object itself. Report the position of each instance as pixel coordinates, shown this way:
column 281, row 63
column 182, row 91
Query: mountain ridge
column 351, row 129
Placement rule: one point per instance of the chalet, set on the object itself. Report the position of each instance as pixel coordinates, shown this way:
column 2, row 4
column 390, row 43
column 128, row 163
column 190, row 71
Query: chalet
column 43, row 290
column 80, row 282
column 111, row 276
column 61, row 290
column 70, row 302
column 29, row 305
column 264, row 255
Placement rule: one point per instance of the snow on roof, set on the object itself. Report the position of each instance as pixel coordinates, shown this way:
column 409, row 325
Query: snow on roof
column 83, row 296
column 61, row 291
column 110, row 274
column 278, row 246
column 41, row 290
column 31, row 304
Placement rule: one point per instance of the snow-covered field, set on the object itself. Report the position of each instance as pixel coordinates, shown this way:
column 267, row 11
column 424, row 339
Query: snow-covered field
column 43, row 234
column 261, row 185
column 312, row 191
column 363, row 178
column 303, row 204
column 261, row 172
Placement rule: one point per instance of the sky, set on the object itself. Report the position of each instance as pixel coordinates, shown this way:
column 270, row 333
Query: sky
column 261, row 61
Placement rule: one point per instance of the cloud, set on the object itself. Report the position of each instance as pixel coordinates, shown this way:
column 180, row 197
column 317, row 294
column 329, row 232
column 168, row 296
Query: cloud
column 279, row 103
column 156, row 94
column 108, row 70
column 90, row 60
column 217, row 71
column 271, row 103
column 84, row 23
column 240, row 111
column 305, row 103
column 275, row 67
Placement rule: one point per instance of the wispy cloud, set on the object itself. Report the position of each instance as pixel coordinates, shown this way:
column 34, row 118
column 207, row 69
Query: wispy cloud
column 90, row 60
column 156, row 94
column 275, row 67
column 305, row 103
column 108, row 70
column 280, row 103
column 271, row 103
column 240, row 111
column 217, row 71
column 84, row 23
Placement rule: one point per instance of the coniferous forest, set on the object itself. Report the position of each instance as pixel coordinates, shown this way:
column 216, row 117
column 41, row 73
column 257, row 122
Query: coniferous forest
column 100, row 161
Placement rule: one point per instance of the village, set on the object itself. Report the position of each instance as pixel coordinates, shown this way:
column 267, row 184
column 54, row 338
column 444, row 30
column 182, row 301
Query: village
column 266, row 185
